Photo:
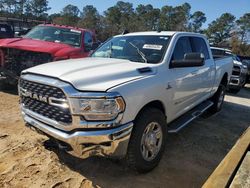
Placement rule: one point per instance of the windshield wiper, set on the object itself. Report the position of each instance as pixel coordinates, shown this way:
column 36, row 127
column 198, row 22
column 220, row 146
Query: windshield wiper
column 139, row 52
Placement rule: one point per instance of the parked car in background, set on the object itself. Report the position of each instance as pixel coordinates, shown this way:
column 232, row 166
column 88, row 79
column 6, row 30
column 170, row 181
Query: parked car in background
column 122, row 100
column 43, row 44
column 20, row 32
column 239, row 73
column 246, row 61
column 6, row 31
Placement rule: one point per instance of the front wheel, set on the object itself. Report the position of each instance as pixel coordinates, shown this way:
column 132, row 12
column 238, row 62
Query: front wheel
column 147, row 140
column 218, row 99
column 234, row 91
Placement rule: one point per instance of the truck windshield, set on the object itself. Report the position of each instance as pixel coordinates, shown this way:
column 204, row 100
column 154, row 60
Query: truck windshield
column 145, row 49
column 54, row 34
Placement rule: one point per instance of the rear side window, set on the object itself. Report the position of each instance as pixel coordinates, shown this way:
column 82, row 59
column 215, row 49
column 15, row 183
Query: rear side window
column 182, row 47
column 220, row 53
column 199, row 46
column 217, row 52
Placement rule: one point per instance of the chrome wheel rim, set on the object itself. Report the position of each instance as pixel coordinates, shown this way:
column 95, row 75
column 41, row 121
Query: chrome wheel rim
column 221, row 98
column 151, row 141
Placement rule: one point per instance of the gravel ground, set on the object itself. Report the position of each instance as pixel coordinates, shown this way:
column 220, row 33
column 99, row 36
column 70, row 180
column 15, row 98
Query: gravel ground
column 190, row 156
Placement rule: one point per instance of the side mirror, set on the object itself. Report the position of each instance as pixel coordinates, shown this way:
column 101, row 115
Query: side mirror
column 95, row 45
column 87, row 47
column 190, row 60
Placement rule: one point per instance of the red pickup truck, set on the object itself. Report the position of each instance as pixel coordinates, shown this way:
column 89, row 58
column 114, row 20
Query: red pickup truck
column 43, row 44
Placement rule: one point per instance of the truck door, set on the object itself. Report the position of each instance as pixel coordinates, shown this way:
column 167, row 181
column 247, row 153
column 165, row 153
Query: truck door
column 206, row 73
column 190, row 83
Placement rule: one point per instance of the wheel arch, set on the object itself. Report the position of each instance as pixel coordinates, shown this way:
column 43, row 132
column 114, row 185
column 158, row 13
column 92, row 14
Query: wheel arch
column 154, row 104
column 225, row 79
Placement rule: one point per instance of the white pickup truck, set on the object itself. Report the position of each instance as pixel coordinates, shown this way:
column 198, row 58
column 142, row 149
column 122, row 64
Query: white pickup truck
column 122, row 101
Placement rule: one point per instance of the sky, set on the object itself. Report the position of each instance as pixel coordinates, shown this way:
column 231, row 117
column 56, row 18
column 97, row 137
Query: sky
column 212, row 8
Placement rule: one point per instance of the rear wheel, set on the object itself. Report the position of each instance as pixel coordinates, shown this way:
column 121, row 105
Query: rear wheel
column 218, row 99
column 235, row 91
column 248, row 79
column 147, row 140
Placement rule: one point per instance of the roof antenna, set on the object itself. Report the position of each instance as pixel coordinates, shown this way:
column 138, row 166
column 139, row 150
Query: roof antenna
column 125, row 32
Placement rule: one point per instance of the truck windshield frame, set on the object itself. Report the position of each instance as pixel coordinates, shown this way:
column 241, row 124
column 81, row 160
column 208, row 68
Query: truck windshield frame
column 143, row 49
column 56, row 34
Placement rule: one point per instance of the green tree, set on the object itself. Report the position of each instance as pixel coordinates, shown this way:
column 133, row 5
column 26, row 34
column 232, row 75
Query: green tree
column 127, row 15
column 51, row 17
column 175, row 18
column 220, row 29
column 2, row 8
column 196, row 21
column 20, row 7
column 238, row 47
column 9, row 6
column 68, row 16
column 90, row 18
column 147, row 17
column 112, row 20
column 244, row 26
column 37, row 8
column 120, row 17
column 71, row 10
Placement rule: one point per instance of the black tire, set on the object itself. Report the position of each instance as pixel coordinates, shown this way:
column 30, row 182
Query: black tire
column 218, row 99
column 248, row 79
column 6, row 86
column 244, row 83
column 234, row 91
column 134, row 156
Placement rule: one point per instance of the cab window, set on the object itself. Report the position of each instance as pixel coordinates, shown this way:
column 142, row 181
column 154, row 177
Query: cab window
column 199, row 46
column 182, row 47
column 88, row 42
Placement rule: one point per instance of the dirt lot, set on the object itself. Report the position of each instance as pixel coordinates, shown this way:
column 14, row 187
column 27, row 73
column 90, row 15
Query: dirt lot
column 189, row 158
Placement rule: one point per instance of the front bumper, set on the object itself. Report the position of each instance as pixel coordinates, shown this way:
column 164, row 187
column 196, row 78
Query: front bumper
column 235, row 82
column 2, row 75
column 112, row 142
column 8, row 77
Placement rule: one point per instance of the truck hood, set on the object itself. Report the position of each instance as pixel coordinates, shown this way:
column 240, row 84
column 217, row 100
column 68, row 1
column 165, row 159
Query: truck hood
column 94, row 74
column 33, row 45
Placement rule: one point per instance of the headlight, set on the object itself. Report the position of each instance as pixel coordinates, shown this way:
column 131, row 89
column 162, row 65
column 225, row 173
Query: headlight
column 101, row 109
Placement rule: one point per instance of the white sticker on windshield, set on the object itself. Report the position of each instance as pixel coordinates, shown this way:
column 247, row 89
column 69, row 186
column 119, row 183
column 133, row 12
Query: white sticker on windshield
column 152, row 46
column 75, row 31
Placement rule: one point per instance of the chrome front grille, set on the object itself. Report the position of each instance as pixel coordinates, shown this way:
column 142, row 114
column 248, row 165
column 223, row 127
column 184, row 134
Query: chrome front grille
column 42, row 107
column 41, row 89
